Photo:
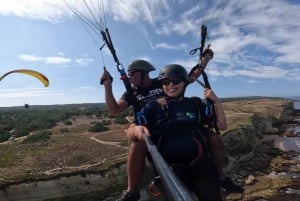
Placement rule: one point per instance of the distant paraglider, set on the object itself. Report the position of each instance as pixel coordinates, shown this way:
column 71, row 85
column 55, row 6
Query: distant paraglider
column 33, row 73
column 26, row 106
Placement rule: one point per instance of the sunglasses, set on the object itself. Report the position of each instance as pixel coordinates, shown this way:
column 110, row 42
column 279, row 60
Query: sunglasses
column 168, row 81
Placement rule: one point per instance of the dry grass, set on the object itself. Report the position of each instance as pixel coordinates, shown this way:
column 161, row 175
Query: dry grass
column 241, row 112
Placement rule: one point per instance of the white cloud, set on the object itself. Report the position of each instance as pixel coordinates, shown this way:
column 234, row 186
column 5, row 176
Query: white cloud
column 170, row 46
column 253, row 81
column 41, row 9
column 84, row 61
column 137, row 10
column 273, row 27
column 57, row 60
column 263, row 72
column 293, row 74
column 48, row 60
column 30, row 57
column 27, row 92
column 54, row 59
column 267, row 36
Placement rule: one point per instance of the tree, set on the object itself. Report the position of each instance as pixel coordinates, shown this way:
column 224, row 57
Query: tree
column 98, row 127
column 4, row 136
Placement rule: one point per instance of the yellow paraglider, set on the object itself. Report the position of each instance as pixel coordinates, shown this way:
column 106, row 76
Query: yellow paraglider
column 33, row 73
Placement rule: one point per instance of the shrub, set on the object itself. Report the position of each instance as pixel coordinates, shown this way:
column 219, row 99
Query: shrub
column 43, row 136
column 68, row 122
column 4, row 136
column 23, row 131
column 98, row 127
column 121, row 120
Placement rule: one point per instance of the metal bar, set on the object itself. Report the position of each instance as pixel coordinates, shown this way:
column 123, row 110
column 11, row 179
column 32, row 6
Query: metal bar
column 173, row 187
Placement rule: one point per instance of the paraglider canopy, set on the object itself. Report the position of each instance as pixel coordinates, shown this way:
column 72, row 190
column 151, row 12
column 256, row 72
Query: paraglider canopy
column 33, row 73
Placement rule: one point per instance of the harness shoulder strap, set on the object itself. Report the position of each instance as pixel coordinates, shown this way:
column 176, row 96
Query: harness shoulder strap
column 201, row 108
column 203, row 126
column 163, row 104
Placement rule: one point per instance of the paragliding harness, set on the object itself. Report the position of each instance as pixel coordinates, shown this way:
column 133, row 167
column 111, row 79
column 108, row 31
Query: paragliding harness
column 204, row 150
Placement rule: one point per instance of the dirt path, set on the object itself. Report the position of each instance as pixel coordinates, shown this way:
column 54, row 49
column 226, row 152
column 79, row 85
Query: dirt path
column 82, row 167
column 117, row 144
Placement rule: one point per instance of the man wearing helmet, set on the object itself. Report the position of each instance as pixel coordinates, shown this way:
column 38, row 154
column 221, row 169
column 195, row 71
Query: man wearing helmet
column 146, row 89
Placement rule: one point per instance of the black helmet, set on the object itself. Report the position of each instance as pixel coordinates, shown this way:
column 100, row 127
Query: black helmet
column 173, row 71
column 140, row 65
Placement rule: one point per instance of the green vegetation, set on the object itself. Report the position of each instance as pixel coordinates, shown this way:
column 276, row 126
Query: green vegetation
column 4, row 136
column 121, row 120
column 18, row 121
column 40, row 137
column 98, row 127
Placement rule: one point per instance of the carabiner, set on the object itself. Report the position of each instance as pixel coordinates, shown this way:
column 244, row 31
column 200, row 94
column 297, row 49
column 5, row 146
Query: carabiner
column 152, row 185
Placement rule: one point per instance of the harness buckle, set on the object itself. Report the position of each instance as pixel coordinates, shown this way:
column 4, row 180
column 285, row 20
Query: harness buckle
column 141, row 120
column 154, row 192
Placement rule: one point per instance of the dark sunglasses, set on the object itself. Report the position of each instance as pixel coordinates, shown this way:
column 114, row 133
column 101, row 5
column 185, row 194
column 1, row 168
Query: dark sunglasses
column 168, row 81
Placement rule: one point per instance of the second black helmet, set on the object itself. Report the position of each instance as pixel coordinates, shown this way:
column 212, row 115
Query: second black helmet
column 174, row 71
column 140, row 65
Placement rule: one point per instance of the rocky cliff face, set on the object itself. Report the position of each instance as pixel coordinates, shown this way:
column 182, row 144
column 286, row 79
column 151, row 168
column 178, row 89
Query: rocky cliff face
column 242, row 143
column 64, row 187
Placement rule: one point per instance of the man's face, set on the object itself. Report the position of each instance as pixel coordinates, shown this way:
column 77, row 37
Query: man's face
column 135, row 77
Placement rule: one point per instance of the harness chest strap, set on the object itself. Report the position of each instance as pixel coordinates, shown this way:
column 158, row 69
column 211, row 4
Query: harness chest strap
column 203, row 148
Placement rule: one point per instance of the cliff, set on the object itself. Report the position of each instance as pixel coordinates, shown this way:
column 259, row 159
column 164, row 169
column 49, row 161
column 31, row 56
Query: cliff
column 261, row 118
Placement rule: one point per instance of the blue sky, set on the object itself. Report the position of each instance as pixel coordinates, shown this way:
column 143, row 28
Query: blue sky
column 256, row 45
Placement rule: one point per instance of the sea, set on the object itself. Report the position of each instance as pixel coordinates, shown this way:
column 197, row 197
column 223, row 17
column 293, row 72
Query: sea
column 296, row 100
column 297, row 105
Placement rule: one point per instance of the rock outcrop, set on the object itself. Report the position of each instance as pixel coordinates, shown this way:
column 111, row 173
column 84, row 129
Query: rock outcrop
column 243, row 143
